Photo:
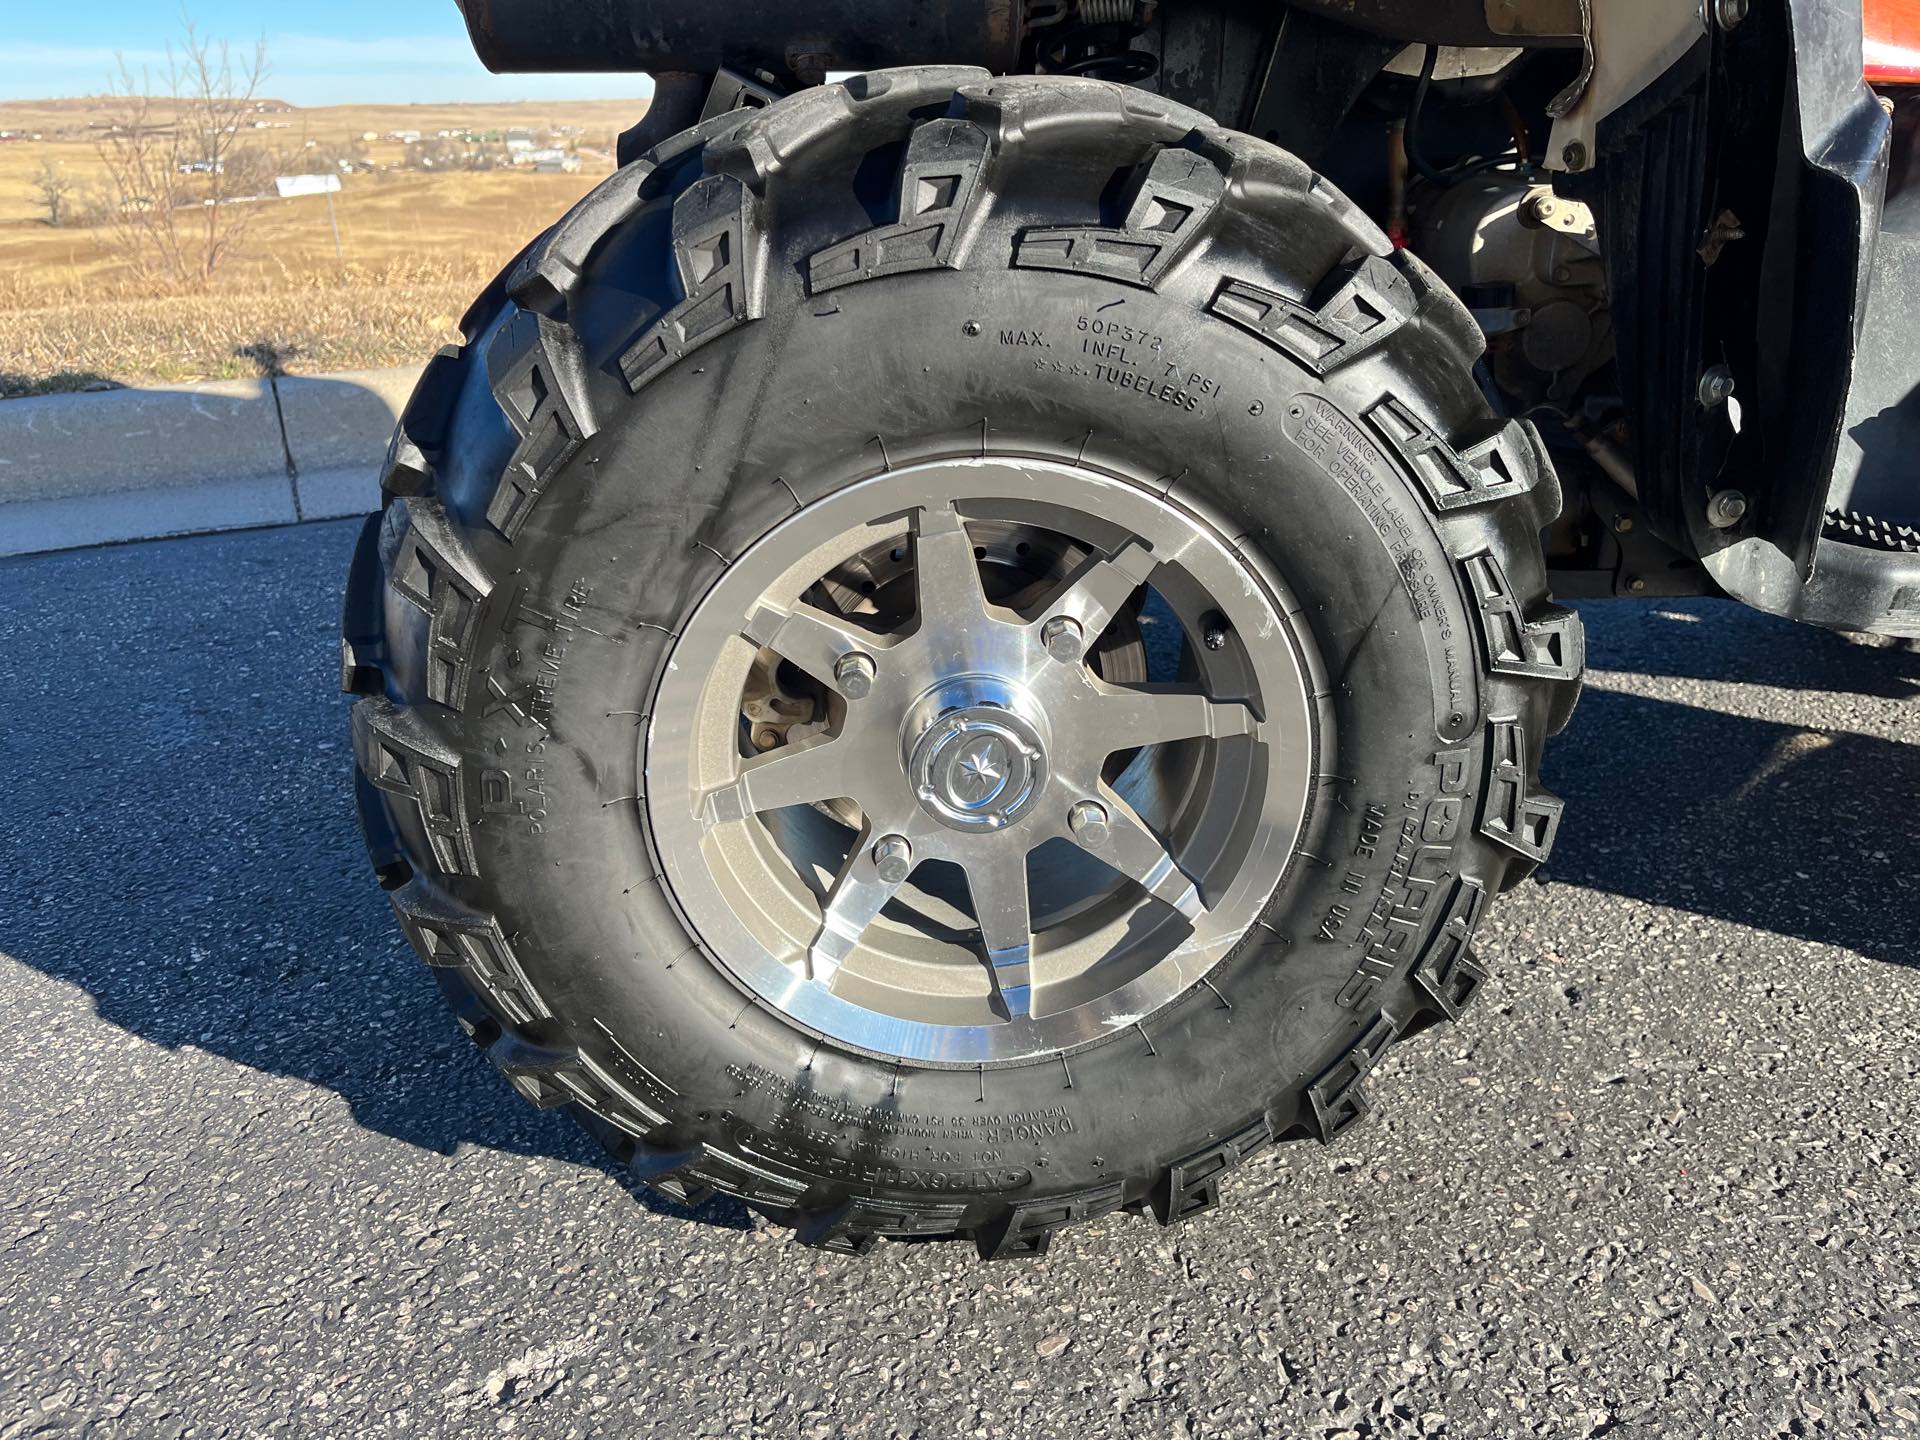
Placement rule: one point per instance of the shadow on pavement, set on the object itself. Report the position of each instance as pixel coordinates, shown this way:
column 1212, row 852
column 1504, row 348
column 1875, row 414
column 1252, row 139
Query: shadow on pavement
column 181, row 841
column 14, row 386
column 181, row 844
column 1719, row 640
column 1798, row 831
column 1805, row 833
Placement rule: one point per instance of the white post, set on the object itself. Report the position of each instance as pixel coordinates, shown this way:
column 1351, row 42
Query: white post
column 334, row 220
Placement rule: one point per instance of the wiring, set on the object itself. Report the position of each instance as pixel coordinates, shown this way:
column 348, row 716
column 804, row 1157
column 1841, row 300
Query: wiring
column 1415, row 158
column 1417, row 161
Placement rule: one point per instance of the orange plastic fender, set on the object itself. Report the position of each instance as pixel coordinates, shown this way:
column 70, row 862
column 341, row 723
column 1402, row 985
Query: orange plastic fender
column 1892, row 42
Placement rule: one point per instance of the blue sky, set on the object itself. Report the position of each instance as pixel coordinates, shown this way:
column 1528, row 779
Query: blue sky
column 322, row 52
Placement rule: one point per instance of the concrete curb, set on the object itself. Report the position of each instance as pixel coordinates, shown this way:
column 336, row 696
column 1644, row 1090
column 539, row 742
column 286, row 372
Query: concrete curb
column 218, row 455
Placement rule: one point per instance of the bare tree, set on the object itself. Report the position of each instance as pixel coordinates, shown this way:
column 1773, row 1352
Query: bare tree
column 140, row 151
column 249, row 171
column 55, row 188
column 177, row 161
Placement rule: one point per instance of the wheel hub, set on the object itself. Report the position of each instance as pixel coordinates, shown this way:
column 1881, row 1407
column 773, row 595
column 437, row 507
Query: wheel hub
column 988, row 847
column 976, row 763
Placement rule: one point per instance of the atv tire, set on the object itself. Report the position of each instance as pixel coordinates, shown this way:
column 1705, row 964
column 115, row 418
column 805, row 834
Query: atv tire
column 915, row 276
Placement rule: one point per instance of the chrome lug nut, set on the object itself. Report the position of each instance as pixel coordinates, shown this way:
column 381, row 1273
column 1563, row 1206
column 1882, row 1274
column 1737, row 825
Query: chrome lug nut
column 893, row 859
column 1088, row 820
column 854, row 675
column 1064, row 639
column 1726, row 509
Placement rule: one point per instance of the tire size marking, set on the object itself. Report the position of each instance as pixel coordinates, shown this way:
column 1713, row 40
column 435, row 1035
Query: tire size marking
column 893, row 1134
column 874, row 1166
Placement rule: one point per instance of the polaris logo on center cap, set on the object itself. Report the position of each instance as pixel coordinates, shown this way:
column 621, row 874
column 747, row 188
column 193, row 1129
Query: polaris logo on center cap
column 977, row 773
column 976, row 767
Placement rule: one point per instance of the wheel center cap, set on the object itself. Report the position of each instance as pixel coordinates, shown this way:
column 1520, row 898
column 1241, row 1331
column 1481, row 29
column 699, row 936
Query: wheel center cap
column 975, row 761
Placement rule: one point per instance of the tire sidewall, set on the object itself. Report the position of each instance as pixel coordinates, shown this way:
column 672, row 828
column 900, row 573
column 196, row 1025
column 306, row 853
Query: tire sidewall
column 632, row 532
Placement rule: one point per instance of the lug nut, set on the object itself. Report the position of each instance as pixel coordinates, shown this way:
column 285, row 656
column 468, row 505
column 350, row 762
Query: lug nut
column 854, row 675
column 893, row 859
column 1088, row 820
column 1726, row 509
column 1064, row 639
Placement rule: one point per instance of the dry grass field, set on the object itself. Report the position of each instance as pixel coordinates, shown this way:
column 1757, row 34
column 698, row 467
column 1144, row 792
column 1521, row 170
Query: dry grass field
column 417, row 246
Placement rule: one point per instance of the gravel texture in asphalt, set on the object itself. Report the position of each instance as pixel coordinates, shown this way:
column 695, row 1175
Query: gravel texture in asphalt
column 253, row 1180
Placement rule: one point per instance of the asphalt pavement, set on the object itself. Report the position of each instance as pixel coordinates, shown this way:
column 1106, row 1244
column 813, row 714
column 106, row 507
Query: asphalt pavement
column 1660, row 1181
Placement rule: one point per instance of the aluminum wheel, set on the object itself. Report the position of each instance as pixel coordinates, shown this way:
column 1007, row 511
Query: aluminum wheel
column 948, row 772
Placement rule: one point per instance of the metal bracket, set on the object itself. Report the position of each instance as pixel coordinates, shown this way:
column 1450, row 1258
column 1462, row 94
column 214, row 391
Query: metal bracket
column 1629, row 44
column 733, row 91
